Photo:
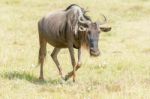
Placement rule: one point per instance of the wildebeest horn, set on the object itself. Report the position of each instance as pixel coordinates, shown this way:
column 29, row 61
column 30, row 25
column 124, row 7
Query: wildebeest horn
column 83, row 21
column 81, row 28
column 105, row 19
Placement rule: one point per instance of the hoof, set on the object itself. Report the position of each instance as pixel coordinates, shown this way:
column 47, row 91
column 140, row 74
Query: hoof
column 74, row 80
column 66, row 78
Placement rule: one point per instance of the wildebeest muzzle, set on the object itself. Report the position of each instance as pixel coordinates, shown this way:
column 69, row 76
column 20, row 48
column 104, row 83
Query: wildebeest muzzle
column 94, row 51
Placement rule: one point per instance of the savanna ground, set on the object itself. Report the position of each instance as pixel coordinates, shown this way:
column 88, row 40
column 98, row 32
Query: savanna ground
column 121, row 72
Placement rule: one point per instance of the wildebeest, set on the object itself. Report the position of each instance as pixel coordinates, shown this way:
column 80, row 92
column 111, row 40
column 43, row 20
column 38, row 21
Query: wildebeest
column 69, row 28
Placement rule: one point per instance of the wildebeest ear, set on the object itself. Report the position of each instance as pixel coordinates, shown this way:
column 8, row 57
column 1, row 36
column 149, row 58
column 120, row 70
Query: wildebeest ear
column 105, row 27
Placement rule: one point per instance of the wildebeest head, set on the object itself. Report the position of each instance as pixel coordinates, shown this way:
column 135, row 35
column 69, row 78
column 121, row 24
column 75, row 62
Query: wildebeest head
column 92, row 31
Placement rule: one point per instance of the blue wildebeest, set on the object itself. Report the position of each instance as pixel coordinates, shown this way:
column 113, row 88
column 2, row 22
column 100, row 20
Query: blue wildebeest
column 69, row 28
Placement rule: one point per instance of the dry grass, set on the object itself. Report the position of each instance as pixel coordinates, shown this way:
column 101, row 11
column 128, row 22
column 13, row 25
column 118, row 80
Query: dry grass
column 122, row 72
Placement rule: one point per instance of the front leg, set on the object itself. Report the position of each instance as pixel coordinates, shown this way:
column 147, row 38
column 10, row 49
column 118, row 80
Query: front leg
column 79, row 57
column 76, row 66
column 71, row 51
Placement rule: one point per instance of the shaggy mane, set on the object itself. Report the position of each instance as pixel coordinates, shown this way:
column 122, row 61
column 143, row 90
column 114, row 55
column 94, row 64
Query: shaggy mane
column 83, row 10
column 71, row 6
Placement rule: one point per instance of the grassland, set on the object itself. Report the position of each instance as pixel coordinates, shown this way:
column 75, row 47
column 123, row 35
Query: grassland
column 121, row 72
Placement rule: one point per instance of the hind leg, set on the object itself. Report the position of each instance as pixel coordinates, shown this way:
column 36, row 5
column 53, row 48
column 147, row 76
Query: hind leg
column 54, row 57
column 42, row 54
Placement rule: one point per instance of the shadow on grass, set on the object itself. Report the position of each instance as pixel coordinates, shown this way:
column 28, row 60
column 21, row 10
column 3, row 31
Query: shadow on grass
column 28, row 77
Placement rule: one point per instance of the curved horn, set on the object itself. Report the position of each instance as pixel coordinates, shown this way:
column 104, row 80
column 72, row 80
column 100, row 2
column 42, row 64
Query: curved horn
column 81, row 28
column 105, row 19
column 83, row 22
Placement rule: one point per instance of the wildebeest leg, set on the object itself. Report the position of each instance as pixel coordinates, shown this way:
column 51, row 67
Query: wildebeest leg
column 42, row 54
column 71, row 50
column 77, row 66
column 54, row 57
column 79, row 57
